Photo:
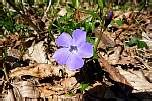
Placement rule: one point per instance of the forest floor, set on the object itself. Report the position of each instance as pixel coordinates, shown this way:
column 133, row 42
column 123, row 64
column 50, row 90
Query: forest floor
column 121, row 69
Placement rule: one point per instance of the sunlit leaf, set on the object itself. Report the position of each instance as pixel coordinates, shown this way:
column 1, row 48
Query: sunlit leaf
column 119, row 22
column 75, row 3
column 83, row 86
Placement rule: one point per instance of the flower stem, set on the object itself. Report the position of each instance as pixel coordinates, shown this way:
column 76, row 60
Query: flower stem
column 98, row 40
column 100, row 34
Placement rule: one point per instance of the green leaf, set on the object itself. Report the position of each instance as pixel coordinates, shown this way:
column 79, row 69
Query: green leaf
column 88, row 26
column 83, row 86
column 136, row 41
column 119, row 22
column 142, row 44
column 90, row 40
column 132, row 42
column 75, row 3
column 95, row 55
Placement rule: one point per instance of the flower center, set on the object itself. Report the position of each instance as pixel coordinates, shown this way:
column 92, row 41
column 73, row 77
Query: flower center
column 73, row 49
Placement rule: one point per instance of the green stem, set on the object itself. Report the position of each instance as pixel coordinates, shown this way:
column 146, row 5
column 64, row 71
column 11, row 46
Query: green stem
column 77, row 4
column 98, row 40
column 100, row 34
column 57, row 4
column 96, row 44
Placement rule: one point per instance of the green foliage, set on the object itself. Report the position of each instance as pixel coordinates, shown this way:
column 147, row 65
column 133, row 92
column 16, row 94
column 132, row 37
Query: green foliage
column 95, row 55
column 91, row 40
column 69, row 94
column 101, row 3
column 64, row 23
column 7, row 23
column 119, row 22
column 11, row 26
column 83, row 86
column 67, row 23
column 6, row 20
column 89, row 24
column 75, row 3
column 23, row 28
column 40, row 12
column 136, row 41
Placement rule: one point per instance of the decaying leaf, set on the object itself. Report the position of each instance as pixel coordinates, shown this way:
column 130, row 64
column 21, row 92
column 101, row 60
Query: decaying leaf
column 106, row 39
column 140, row 84
column 28, row 89
column 38, row 70
column 36, row 53
column 113, row 72
column 69, row 83
column 114, row 58
column 66, row 86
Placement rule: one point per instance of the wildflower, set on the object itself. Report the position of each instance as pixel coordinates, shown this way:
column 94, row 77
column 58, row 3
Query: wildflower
column 73, row 49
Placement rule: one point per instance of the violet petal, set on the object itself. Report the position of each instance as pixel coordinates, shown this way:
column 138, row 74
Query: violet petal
column 61, row 55
column 74, row 62
column 64, row 40
column 85, row 50
column 78, row 36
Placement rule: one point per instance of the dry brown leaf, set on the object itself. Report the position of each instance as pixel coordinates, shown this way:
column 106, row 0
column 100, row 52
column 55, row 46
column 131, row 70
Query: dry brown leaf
column 114, row 58
column 113, row 72
column 49, row 90
column 61, row 88
column 38, row 70
column 80, row 16
column 69, row 83
column 46, row 92
column 13, row 52
column 124, row 26
column 36, row 53
column 106, row 39
column 127, row 14
column 1, row 42
column 126, row 60
column 149, row 27
column 52, row 95
column 137, row 80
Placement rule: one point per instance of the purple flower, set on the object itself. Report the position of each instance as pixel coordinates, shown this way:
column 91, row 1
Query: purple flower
column 73, row 49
